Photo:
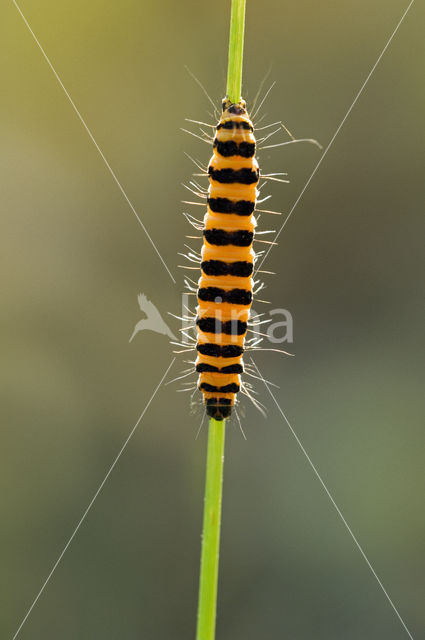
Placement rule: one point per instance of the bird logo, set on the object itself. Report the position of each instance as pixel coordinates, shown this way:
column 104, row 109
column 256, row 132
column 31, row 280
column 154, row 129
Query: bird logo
column 153, row 321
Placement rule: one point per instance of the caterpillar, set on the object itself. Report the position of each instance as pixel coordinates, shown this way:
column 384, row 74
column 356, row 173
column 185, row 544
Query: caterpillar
column 225, row 288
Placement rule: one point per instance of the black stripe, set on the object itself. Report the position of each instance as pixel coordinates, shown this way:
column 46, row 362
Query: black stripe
column 213, row 350
column 239, row 296
column 207, row 387
column 231, row 148
column 234, row 296
column 234, row 327
column 215, row 268
column 241, row 269
column 232, row 176
column 238, row 207
column 230, row 327
column 234, row 124
column 216, row 351
column 219, row 268
column 226, row 149
column 233, row 387
column 246, row 149
column 231, row 351
column 227, row 388
column 211, row 294
column 232, row 368
column 218, row 412
column 202, row 367
column 221, row 238
column 209, row 325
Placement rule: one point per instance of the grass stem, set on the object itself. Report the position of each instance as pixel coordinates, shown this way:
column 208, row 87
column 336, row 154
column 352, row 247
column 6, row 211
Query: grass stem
column 211, row 532
column 236, row 39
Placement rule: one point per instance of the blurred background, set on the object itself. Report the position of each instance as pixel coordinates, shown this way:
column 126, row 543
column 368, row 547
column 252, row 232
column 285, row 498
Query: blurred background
column 349, row 268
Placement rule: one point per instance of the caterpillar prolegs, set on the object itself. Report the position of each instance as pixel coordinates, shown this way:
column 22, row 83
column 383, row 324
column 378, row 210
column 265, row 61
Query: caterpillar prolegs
column 227, row 260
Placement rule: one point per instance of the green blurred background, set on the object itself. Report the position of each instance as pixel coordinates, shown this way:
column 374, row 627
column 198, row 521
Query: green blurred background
column 350, row 270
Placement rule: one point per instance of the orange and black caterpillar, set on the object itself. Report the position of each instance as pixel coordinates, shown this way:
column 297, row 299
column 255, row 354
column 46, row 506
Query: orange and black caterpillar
column 227, row 260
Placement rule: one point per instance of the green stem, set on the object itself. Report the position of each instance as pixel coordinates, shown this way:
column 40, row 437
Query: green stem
column 234, row 69
column 211, row 532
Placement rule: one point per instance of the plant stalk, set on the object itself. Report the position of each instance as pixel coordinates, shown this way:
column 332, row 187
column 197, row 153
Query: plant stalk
column 236, row 40
column 211, row 532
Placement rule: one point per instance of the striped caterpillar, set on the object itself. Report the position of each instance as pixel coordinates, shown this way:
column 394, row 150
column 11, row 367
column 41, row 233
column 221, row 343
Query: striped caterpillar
column 227, row 260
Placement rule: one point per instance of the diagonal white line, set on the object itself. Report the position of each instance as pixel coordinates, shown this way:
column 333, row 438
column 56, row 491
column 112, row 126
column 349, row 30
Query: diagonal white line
column 347, row 526
column 336, row 132
column 94, row 141
column 92, row 501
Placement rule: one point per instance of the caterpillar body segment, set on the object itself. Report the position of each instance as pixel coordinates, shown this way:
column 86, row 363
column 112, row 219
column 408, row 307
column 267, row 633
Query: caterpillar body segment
column 227, row 260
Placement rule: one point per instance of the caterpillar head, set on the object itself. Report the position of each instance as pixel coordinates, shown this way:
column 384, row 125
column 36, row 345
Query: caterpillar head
column 234, row 108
